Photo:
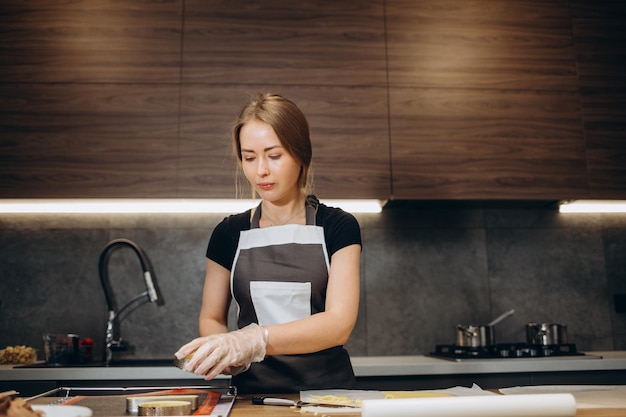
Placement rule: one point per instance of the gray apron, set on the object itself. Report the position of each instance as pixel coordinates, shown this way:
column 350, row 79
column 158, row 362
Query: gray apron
column 280, row 274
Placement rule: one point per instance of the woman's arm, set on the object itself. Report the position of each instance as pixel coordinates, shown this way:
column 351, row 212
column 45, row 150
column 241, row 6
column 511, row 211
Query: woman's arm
column 215, row 300
column 333, row 326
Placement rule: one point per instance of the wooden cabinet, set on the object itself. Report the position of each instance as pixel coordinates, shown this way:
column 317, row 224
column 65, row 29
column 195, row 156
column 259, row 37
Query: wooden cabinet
column 484, row 101
column 600, row 41
column 89, row 102
column 410, row 99
column 105, row 98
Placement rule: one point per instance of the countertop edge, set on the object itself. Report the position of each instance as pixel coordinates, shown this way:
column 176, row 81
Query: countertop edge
column 364, row 366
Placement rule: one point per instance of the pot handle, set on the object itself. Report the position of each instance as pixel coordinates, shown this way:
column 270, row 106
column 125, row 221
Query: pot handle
column 501, row 317
column 465, row 330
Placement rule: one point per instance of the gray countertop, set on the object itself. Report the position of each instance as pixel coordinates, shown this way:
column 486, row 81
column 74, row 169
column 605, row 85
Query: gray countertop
column 365, row 366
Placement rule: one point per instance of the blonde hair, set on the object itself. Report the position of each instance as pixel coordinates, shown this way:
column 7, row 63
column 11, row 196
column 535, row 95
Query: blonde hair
column 289, row 124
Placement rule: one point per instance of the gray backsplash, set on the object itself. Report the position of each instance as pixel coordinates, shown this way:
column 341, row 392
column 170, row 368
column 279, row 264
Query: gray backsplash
column 424, row 270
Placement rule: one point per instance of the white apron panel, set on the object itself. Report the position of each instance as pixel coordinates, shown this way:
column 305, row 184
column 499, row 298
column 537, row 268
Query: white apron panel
column 280, row 302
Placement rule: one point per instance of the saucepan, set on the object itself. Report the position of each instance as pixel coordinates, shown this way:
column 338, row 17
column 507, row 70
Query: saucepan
column 479, row 335
column 546, row 334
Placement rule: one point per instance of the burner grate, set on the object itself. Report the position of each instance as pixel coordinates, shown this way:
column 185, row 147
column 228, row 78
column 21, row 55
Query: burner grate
column 505, row 351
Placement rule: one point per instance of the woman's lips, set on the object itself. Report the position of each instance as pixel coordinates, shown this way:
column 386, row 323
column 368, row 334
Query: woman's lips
column 266, row 185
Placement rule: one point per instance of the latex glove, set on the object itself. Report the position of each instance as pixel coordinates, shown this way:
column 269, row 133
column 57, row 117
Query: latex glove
column 225, row 351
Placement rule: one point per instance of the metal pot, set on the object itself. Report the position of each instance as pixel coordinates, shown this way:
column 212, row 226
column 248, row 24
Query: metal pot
column 546, row 334
column 479, row 336
column 474, row 336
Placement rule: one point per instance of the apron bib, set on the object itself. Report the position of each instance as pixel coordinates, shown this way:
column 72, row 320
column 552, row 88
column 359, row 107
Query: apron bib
column 280, row 274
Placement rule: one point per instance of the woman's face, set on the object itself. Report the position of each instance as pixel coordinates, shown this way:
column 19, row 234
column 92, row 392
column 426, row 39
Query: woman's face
column 271, row 170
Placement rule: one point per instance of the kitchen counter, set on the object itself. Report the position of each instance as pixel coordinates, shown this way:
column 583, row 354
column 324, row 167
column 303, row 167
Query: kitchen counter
column 373, row 372
column 243, row 407
column 364, row 366
column 427, row 365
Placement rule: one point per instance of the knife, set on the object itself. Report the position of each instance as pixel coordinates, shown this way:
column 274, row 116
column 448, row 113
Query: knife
column 263, row 400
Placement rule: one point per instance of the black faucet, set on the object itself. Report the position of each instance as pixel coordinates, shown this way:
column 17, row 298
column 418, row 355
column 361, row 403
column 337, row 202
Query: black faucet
column 113, row 340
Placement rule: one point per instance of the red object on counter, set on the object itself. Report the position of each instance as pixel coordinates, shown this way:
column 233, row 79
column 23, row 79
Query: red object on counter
column 86, row 349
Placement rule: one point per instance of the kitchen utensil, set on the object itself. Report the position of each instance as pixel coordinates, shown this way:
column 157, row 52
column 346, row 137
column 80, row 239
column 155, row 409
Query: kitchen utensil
column 61, row 349
column 546, row 334
column 263, row 400
column 501, row 317
column 63, row 410
column 474, row 336
column 132, row 403
column 165, row 408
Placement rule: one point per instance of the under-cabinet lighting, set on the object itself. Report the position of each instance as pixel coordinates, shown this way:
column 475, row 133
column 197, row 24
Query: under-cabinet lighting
column 593, row 206
column 161, row 205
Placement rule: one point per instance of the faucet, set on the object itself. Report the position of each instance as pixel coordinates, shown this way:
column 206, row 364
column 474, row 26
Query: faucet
column 113, row 339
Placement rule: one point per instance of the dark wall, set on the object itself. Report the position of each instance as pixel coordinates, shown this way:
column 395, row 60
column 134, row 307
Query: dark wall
column 424, row 270
column 425, row 99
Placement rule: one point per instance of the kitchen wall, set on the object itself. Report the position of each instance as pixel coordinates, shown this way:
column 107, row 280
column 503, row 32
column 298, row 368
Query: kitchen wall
column 428, row 99
column 425, row 268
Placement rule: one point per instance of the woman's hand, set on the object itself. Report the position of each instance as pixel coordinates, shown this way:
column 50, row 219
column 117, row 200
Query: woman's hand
column 225, row 352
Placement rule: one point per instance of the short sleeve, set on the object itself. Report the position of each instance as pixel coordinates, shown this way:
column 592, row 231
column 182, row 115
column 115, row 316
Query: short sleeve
column 341, row 229
column 225, row 238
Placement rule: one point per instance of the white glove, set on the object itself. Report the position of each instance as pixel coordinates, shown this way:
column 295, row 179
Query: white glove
column 225, row 351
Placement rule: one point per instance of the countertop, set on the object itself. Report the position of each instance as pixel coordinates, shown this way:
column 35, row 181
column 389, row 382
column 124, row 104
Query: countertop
column 370, row 366
column 243, row 407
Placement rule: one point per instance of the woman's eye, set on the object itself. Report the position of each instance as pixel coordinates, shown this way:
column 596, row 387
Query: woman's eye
column 248, row 158
column 275, row 156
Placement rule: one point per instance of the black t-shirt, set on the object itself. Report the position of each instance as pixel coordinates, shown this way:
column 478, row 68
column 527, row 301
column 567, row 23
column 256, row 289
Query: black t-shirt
column 341, row 229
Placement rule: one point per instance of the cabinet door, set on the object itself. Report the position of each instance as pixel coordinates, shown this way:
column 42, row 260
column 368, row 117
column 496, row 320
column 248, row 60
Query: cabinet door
column 330, row 60
column 484, row 101
column 116, row 99
column 600, row 39
column 89, row 105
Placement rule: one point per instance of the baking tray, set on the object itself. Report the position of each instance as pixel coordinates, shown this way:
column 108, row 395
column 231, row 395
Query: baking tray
column 214, row 401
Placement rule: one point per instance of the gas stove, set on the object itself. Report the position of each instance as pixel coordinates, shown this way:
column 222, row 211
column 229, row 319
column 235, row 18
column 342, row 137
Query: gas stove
column 505, row 351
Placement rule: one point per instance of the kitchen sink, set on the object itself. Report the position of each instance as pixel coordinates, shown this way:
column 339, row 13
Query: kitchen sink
column 115, row 364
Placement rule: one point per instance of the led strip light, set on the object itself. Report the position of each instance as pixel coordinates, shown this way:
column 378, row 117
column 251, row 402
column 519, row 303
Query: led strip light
column 161, row 205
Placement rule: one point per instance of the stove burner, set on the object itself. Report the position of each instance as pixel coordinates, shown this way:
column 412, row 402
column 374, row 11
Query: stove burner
column 505, row 351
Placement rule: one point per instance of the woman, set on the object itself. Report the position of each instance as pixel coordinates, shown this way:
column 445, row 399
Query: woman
column 291, row 265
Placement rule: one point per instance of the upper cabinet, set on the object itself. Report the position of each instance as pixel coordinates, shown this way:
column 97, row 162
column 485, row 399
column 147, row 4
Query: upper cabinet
column 329, row 58
column 105, row 98
column 484, row 101
column 599, row 29
column 407, row 99
column 89, row 98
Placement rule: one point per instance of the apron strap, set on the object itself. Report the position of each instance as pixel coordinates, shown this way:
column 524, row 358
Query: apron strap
column 312, row 203
column 256, row 218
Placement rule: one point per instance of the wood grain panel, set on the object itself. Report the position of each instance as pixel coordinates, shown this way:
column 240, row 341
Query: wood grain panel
column 83, row 140
column 600, row 39
column 307, row 42
column 90, row 41
column 486, row 144
column 524, row 44
column 348, row 128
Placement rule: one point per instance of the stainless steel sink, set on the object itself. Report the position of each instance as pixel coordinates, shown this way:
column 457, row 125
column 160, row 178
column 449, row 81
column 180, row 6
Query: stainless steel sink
column 115, row 364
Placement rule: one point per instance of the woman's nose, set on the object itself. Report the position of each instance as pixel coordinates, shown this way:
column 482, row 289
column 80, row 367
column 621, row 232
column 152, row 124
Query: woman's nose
column 263, row 167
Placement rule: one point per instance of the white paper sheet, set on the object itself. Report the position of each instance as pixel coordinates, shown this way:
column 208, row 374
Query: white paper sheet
column 356, row 397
